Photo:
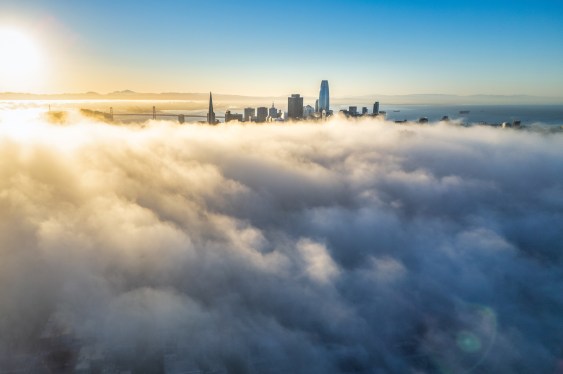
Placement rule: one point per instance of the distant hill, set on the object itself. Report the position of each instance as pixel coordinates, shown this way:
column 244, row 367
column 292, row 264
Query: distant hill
column 125, row 95
column 444, row 99
column 421, row 99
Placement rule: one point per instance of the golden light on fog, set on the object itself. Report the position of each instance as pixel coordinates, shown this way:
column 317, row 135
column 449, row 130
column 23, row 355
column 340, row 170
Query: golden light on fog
column 21, row 62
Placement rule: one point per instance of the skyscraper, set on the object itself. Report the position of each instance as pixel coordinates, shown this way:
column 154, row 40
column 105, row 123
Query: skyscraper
column 295, row 106
column 273, row 112
column 248, row 114
column 324, row 98
column 376, row 108
column 211, row 113
column 261, row 114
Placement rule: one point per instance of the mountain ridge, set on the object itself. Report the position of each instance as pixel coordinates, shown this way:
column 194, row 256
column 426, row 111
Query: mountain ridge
column 427, row 98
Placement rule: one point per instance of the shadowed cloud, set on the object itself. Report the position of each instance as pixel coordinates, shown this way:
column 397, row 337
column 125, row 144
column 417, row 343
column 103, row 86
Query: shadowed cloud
column 352, row 246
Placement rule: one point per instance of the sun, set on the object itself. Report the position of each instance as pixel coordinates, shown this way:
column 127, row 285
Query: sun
column 21, row 62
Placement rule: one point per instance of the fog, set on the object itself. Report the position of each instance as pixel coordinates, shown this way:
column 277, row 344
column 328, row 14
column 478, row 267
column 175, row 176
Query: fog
column 343, row 247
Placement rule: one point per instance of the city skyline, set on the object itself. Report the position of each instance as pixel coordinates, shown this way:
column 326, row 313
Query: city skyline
column 249, row 48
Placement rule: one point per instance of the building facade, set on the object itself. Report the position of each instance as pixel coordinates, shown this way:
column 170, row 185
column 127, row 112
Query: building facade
column 324, row 98
column 308, row 111
column 261, row 114
column 248, row 114
column 273, row 112
column 295, row 107
column 232, row 116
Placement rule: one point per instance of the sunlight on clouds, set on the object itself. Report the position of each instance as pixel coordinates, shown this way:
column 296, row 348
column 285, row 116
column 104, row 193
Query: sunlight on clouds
column 351, row 246
column 319, row 265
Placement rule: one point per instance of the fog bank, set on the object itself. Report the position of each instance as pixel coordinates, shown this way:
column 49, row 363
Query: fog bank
column 347, row 247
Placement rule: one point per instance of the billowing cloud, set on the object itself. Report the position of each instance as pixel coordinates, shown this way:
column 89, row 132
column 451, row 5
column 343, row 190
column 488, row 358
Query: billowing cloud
column 351, row 246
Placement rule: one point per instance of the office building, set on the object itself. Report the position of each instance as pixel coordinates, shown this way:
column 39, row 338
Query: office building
column 364, row 110
column 248, row 114
column 295, row 106
column 376, row 108
column 353, row 110
column 261, row 114
column 273, row 112
column 324, row 98
column 232, row 116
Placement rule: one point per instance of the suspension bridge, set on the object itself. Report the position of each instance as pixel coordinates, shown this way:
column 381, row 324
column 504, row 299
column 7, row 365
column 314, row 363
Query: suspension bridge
column 154, row 114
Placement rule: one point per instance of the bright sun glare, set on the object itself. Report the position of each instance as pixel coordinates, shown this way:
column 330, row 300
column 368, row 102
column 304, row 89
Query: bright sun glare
column 20, row 64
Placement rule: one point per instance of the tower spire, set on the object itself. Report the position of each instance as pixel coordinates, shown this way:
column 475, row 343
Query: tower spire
column 211, row 113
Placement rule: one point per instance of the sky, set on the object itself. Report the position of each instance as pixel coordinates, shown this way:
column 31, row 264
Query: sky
column 270, row 48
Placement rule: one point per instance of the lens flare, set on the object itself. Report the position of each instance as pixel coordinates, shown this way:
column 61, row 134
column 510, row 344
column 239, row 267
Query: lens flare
column 468, row 342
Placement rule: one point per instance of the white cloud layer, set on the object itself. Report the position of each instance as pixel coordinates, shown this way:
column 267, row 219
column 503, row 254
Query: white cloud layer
column 362, row 247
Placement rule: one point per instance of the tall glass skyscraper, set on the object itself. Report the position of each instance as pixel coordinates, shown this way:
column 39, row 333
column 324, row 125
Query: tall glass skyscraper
column 324, row 98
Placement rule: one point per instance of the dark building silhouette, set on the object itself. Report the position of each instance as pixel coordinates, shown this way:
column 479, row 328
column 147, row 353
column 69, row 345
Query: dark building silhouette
column 273, row 112
column 248, row 114
column 261, row 114
column 232, row 116
column 211, row 114
column 295, row 106
column 376, row 108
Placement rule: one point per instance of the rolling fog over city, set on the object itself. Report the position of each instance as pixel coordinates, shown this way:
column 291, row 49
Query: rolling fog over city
column 339, row 247
column 249, row 187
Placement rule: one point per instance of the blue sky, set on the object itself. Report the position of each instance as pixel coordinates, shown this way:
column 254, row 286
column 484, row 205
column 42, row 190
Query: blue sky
column 276, row 47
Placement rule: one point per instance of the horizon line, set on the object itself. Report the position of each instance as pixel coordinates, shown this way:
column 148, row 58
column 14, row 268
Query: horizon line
column 130, row 92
